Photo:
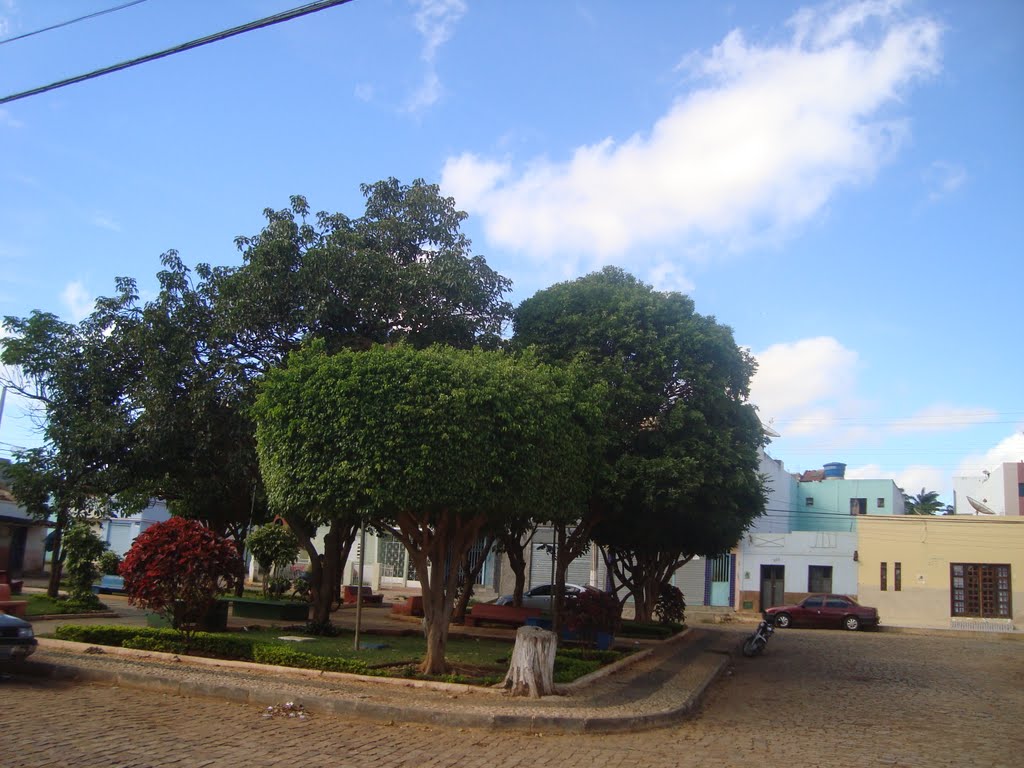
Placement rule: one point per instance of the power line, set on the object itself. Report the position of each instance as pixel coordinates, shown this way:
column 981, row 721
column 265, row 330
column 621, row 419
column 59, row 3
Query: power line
column 294, row 13
column 69, row 22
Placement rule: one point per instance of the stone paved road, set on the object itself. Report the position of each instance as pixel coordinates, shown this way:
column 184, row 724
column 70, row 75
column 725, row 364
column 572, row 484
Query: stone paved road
column 814, row 699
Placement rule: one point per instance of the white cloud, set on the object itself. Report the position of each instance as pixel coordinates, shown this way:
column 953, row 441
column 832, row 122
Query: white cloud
column 105, row 222
column 364, row 92
column 435, row 21
column 803, row 382
column 943, row 418
column 5, row 116
column 77, row 300
column 943, row 179
column 1010, row 448
column 761, row 145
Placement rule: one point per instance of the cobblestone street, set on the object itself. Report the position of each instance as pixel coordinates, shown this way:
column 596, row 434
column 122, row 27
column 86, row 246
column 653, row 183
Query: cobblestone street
column 816, row 698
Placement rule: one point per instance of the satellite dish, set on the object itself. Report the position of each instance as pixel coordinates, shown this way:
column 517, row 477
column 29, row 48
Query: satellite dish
column 980, row 508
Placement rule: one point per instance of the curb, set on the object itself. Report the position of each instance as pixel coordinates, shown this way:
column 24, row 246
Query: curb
column 537, row 721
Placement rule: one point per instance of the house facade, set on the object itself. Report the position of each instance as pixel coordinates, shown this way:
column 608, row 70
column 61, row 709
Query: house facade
column 22, row 539
column 807, row 541
column 960, row 572
column 120, row 532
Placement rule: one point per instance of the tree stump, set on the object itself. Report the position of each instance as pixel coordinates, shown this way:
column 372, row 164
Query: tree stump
column 531, row 672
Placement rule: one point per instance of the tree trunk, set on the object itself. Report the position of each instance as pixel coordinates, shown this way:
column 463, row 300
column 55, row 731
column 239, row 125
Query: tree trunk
column 470, row 572
column 57, row 555
column 516, row 551
column 436, row 543
column 532, row 670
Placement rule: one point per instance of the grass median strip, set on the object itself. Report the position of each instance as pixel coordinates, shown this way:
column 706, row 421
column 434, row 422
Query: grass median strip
column 475, row 661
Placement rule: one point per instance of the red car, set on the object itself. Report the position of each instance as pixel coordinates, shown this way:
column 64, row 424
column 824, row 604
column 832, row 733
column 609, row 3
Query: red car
column 824, row 611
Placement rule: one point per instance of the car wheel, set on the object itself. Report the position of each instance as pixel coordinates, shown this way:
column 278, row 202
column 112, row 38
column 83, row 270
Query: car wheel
column 782, row 620
column 851, row 623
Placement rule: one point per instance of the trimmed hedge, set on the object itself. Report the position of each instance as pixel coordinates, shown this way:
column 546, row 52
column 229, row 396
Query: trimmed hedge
column 220, row 646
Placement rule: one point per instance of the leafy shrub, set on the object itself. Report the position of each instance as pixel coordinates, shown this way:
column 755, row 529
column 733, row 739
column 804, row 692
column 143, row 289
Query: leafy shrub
column 273, row 546
column 638, row 629
column 568, row 669
column 82, row 548
column 109, row 563
column 276, row 587
column 322, row 629
column 590, row 611
column 671, row 607
column 286, row 657
column 590, row 654
column 177, row 568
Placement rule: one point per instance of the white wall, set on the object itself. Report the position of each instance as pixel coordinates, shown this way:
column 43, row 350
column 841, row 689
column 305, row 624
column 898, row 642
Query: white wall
column 796, row 551
column 997, row 491
column 782, row 495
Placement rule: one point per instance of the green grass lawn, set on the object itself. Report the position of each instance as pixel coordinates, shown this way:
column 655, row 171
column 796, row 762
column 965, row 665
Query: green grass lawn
column 40, row 604
column 480, row 661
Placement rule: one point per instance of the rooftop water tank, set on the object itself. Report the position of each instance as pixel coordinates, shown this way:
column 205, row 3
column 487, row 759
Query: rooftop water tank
column 835, row 470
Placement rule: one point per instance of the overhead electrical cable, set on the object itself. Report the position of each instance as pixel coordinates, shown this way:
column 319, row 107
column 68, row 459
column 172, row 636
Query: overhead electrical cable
column 69, row 22
column 215, row 37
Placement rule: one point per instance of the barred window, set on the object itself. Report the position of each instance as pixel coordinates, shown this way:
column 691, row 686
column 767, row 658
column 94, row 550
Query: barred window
column 980, row 589
column 897, row 577
column 883, row 578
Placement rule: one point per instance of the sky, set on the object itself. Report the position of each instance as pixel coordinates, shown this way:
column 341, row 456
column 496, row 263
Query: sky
column 840, row 183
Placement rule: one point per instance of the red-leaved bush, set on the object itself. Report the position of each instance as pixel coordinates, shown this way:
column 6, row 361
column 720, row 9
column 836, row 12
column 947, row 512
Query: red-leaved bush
column 176, row 568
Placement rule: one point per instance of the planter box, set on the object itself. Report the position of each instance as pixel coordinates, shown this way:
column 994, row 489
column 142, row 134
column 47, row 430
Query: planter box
column 603, row 640
column 215, row 620
column 274, row 610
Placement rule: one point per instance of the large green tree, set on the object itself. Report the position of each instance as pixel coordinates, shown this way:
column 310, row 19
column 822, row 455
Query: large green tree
column 154, row 398
column 403, row 271
column 76, row 374
column 435, row 446
column 682, row 439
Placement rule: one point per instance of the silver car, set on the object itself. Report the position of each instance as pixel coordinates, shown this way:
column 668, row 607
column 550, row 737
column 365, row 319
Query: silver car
column 540, row 596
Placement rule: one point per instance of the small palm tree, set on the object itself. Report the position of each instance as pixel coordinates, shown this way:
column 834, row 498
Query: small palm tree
column 925, row 503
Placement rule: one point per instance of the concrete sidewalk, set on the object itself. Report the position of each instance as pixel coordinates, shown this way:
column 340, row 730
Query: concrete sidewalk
column 652, row 688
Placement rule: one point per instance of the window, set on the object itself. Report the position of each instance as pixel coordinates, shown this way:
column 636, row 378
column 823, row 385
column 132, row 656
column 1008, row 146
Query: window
column 883, row 578
column 979, row 589
column 819, row 578
column 858, row 506
column 814, row 602
column 837, row 602
column 810, row 501
column 881, row 502
column 897, row 577
column 1020, row 489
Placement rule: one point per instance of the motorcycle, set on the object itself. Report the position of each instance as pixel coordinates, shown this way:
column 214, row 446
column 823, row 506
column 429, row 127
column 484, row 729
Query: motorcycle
column 754, row 644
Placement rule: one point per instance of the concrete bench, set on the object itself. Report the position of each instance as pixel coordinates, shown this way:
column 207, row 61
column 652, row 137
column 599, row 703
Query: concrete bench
column 413, row 606
column 275, row 610
column 499, row 614
column 14, row 584
column 109, row 585
column 349, row 594
column 13, row 607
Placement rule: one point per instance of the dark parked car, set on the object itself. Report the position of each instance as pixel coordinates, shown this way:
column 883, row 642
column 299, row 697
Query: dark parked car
column 824, row 611
column 540, row 597
column 17, row 640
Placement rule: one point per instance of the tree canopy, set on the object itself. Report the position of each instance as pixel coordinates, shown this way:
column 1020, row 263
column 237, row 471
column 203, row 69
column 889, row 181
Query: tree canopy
column 434, row 445
column 682, row 439
column 924, row 503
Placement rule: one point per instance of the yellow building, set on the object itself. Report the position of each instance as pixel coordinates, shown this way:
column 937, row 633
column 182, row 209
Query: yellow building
column 951, row 571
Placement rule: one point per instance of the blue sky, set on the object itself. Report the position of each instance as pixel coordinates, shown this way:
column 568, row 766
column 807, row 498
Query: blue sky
column 839, row 182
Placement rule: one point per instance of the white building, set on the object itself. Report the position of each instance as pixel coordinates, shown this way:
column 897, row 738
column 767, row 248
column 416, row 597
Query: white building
column 996, row 492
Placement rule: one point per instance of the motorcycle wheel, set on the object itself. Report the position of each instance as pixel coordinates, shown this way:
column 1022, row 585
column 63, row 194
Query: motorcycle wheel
column 753, row 646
